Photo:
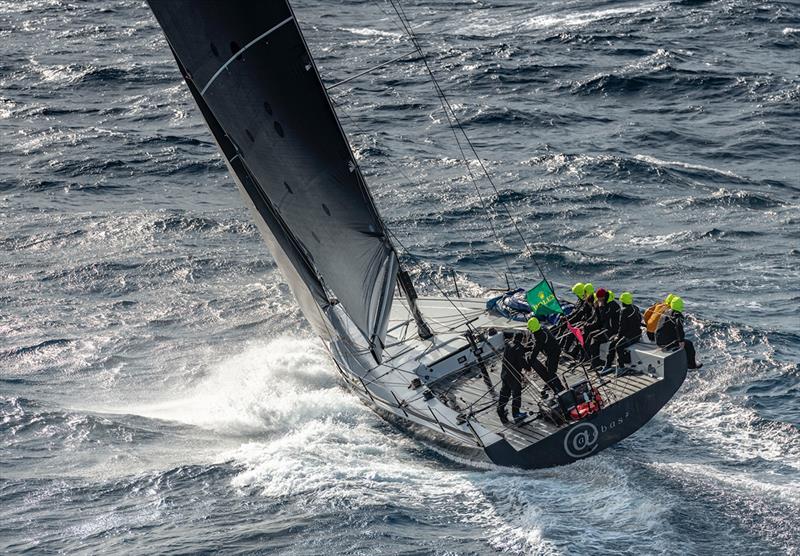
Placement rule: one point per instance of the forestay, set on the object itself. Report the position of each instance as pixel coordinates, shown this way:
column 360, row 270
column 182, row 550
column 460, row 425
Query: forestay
column 250, row 72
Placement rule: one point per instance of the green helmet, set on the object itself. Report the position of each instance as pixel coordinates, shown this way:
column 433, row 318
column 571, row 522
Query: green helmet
column 626, row 298
column 588, row 290
column 577, row 289
column 676, row 304
column 669, row 298
column 610, row 297
column 534, row 325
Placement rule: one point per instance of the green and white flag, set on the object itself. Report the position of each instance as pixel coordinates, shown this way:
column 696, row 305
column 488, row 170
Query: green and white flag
column 542, row 300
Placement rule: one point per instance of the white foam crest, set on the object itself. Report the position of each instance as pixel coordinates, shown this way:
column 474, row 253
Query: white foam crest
column 580, row 19
column 716, row 419
column 654, row 62
column 330, row 464
column 571, row 165
column 608, row 499
column 7, row 107
column 743, row 483
column 332, row 458
column 791, row 94
column 661, row 240
column 767, row 509
column 369, row 32
column 60, row 73
column 266, row 389
column 486, row 26
column 685, row 165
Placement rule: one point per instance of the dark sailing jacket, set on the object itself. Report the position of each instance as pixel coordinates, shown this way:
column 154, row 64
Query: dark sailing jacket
column 582, row 312
column 630, row 322
column 515, row 360
column 544, row 342
column 600, row 318
column 613, row 317
column 670, row 328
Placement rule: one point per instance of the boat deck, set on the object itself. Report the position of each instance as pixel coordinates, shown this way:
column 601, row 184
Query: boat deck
column 471, row 392
column 447, row 366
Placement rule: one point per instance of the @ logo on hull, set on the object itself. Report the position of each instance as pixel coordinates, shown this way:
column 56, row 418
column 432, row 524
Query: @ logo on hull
column 581, row 440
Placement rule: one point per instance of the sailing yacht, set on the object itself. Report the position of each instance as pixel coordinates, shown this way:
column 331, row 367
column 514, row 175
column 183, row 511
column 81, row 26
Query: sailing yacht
column 430, row 364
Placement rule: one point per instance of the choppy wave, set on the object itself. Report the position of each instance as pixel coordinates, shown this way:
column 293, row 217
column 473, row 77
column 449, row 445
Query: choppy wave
column 160, row 391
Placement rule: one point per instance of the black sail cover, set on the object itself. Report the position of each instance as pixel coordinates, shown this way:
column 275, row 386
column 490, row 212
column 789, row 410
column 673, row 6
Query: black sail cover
column 251, row 74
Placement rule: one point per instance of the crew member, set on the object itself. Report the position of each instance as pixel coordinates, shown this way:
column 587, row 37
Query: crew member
column 569, row 344
column 628, row 332
column 544, row 342
column 597, row 328
column 653, row 314
column 613, row 314
column 514, row 361
column 670, row 332
column 580, row 315
column 577, row 289
column 584, row 310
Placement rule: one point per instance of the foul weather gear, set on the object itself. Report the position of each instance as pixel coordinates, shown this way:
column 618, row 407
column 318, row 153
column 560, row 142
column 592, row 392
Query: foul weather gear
column 613, row 317
column 670, row 333
column 544, row 342
column 628, row 332
column 514, row 361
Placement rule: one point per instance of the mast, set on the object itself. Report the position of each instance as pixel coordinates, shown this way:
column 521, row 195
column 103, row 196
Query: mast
column 248, row 68
column 410, row 293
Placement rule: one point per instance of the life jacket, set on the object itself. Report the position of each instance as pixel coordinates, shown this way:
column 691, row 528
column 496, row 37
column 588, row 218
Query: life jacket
column 585, row 409
column 580, row 401
column 653, row 315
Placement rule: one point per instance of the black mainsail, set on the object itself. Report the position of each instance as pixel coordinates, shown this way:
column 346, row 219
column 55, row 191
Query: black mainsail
column 250, row 72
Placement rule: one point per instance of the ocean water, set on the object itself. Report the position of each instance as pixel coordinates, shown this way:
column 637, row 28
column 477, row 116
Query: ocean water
column 161, row 393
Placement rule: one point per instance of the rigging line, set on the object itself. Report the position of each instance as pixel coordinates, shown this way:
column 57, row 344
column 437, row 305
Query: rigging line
column 373, row 68
column 445, row 106
column 416, row 261
column 407, row 26
column 443, row 98
column 397, row 167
